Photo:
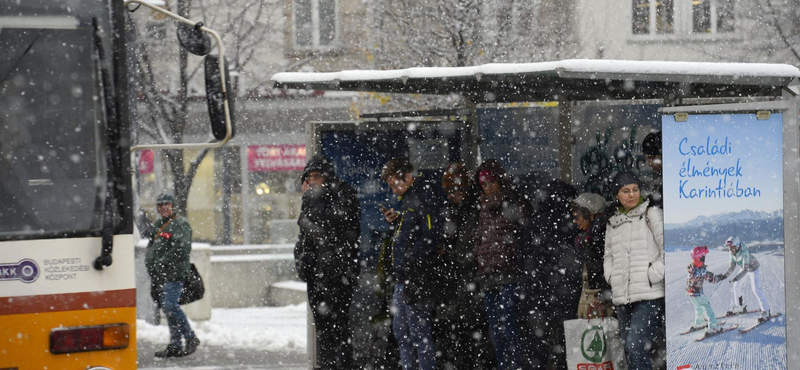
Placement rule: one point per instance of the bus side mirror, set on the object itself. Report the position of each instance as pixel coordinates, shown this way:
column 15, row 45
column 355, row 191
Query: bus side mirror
column 216, row 97
column 193, row 39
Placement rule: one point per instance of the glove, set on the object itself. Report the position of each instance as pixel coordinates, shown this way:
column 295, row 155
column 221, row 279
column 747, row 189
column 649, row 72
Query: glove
column 733, row 280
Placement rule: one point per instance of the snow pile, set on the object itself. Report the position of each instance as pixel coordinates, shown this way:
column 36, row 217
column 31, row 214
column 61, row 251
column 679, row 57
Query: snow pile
column 263, row 328
column 565, row 66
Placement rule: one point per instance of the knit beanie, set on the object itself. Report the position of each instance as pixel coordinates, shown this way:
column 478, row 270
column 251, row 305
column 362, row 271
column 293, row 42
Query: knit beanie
column 652, row 144
column 594, row 203
column 621, row 179
column 456, row 176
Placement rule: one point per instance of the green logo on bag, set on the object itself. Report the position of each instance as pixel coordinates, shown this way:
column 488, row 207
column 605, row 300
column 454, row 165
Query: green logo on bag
column 593, row 344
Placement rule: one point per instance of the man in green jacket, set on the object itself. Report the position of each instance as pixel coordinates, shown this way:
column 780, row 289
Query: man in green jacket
column 168, row 264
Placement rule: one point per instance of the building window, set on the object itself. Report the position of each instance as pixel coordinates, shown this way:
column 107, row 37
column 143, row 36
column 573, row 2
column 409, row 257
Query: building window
column 712, row 16
column 315, row 23
column 653, row 17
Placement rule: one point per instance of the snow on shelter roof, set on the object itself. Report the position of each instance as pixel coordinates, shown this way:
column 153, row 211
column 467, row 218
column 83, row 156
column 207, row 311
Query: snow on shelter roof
column 567, row 79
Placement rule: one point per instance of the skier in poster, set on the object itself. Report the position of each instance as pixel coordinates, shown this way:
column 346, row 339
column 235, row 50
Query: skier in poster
column 698, row 273
column 741, row 256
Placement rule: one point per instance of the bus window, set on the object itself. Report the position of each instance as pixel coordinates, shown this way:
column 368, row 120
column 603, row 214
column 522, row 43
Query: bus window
column 52, row 157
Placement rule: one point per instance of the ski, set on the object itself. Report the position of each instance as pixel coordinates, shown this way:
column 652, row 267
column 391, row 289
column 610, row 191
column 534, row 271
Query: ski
column 737, row 314
column 692, row 330
column 749, row 328
column 707, row 335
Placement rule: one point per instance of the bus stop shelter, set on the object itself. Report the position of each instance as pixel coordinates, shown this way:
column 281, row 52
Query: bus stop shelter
column 681, row 88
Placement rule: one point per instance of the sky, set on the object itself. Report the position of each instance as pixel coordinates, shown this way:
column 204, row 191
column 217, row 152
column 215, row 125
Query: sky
column 729, row 148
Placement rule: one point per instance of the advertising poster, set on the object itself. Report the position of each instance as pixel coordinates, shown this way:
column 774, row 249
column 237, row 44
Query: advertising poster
column 723, row 182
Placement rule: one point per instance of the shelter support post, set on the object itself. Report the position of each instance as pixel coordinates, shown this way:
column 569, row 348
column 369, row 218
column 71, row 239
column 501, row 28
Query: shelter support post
column 469, row 142
column 565, row 140
column 243, row 153
column 791, row 227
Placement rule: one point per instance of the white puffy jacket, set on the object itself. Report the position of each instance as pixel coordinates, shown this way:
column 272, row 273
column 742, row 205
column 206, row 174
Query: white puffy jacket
column 633, row 263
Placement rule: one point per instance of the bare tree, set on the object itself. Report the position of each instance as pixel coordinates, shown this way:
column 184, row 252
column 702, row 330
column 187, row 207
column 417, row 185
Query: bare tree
column 782, row 34
column 244, row 25
column 456, row 33
column 766, row 31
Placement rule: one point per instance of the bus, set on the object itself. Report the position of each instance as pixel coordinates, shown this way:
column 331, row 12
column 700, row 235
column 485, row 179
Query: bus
column 67, row 282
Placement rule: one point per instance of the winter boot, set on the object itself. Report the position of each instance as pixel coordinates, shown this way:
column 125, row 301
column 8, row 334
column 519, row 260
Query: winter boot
column 191, row 345
column 697, row 327
column 736, row 310
column 171, row 351
column 764, row 316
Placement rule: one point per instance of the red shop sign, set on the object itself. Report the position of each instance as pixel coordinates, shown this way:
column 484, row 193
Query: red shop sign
column 286, row 157
column 146, row 161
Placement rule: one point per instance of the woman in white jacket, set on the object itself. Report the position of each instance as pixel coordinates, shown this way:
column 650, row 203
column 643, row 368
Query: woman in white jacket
column 633, row 264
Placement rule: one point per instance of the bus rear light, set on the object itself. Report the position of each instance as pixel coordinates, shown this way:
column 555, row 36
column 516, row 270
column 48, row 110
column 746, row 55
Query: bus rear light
column 89, row 338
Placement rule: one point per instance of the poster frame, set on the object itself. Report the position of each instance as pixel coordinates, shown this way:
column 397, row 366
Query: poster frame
column 788, row 106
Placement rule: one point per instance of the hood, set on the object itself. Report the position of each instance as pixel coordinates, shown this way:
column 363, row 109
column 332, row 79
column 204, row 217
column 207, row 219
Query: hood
column 321, row 164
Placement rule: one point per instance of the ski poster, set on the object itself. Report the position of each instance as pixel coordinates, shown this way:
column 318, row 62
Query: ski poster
column 724, row 241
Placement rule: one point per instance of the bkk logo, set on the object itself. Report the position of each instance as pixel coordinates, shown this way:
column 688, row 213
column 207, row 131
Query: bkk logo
column 26, row 270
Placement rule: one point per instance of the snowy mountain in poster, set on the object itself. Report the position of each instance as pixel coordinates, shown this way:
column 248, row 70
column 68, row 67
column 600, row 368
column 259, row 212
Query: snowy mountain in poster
column 763, row 230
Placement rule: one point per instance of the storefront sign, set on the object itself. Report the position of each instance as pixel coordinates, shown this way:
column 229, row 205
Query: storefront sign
column 723, row 182
column 285, row 157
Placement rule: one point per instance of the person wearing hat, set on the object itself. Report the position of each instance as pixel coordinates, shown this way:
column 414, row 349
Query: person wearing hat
column 651, row 148
column 463, row 339
column 502, row 233
column 326, row 258
column 588, row 215
column 167, row 262
column 633, row 264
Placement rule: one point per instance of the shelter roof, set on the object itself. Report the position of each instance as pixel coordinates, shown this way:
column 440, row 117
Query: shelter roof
column 567, row 79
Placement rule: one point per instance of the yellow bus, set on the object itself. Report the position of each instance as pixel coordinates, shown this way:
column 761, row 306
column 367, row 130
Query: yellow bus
column 67, row 289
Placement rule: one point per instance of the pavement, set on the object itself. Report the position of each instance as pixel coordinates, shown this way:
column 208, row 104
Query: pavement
column 222, row 358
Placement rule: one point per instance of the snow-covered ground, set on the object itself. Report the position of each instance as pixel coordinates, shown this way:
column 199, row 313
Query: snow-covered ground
column 280, row 329
column 763, row 348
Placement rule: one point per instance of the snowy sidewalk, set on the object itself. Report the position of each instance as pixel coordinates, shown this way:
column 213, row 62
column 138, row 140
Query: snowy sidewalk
column 242, row 338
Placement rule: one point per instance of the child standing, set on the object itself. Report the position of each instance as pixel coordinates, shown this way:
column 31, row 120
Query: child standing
column 698, row 272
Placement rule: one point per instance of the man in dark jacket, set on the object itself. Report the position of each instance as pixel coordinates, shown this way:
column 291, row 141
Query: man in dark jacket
column 417, row 232
column 461, row 327
column 326, row 257
column 167, row 262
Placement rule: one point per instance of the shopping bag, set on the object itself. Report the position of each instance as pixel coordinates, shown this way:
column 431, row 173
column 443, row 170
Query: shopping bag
column 589, row 306
column 594, row 344
column 587, row 298
column 193, row 288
